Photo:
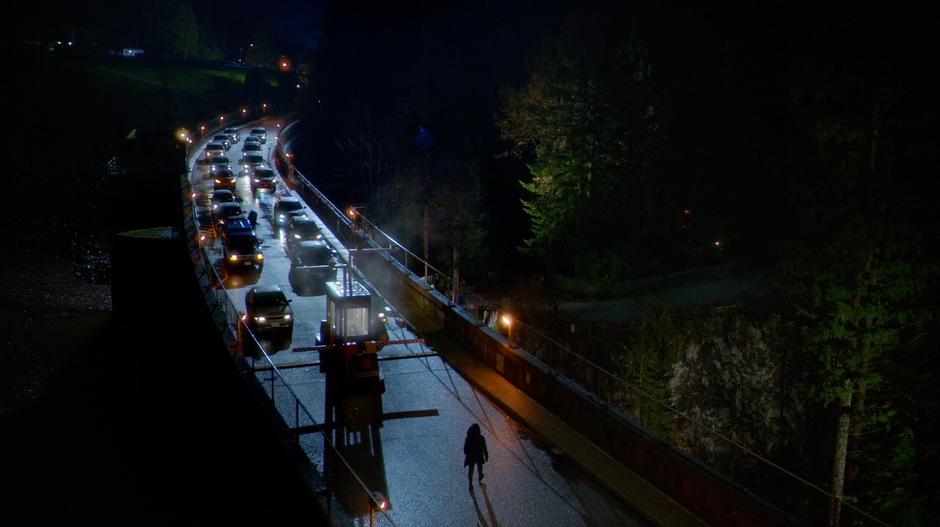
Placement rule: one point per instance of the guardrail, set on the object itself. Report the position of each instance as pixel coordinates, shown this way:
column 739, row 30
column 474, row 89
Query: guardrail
column 285, row 404
column 793, row 496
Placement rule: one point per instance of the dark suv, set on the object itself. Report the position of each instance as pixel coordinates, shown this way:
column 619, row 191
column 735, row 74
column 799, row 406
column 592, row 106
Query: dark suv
column 312, row 264
column 301, row 230
column 268, row 312
column 242, row 250
column 285, row 208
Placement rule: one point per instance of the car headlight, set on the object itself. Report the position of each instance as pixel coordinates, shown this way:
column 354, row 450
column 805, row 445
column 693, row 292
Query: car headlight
column 286, row 317
column 261, row 319
column 218, row 181
column 233, row 258
column 259, row 257
column 296, row 236
column 257, row 180
column 280, row 216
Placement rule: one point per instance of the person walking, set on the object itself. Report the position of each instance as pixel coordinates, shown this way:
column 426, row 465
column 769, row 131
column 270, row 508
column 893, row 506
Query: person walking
column 475, row 453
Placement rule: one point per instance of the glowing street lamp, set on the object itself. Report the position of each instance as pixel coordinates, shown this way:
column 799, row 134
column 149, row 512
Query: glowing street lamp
column 506, row 320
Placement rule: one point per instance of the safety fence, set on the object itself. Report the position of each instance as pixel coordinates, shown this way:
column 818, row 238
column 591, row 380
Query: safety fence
column 348, row 499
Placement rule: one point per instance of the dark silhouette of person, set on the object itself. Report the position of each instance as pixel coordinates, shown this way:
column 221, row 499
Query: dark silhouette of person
column 475, row 453
column 253, row 218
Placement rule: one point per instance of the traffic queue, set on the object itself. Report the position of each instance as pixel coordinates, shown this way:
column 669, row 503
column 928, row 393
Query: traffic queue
column 312, row 260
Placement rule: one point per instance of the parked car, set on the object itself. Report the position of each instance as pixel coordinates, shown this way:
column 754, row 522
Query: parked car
column 242, row 250
column 301, row 230
column 252, row 147
column 224, row 140
column 312, row 263
column 223, row 179
column 214, row 150
column 285, row 208
column 253, row 139
column 260, row 133
column 268, row 312
column 263, row 178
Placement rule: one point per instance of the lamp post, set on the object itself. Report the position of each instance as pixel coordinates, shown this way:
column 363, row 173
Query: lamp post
column 507, row 321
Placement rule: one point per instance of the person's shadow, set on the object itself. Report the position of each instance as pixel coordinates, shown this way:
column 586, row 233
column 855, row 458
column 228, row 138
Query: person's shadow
column 489, row 508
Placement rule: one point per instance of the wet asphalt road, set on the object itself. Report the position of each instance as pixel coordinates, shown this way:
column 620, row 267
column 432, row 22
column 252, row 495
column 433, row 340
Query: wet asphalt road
column 414, row 457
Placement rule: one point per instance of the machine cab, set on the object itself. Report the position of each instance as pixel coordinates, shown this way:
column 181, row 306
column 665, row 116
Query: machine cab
column 349, row 337
column 348, row 312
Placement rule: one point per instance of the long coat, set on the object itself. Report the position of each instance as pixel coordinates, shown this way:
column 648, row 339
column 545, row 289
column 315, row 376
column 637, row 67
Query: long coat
column 474, row 447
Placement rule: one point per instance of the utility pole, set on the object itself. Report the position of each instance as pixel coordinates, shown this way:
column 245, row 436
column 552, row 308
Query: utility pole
column 427, row 215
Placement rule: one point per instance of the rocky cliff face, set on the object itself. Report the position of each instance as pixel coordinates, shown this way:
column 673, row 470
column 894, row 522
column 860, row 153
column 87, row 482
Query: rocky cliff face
column 735, row 374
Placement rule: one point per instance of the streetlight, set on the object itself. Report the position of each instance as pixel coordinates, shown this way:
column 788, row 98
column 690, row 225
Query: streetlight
column 507, row 321
column 378, row 502
column 221, row 118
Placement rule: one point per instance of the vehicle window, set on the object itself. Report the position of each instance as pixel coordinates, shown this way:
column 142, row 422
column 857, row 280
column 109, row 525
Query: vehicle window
column 315, row 255
column 264, row 173
column 291, row 205
column 307, row 230
column 270, row 299
column 220, row 160
column 356, row 323
column 255, row 159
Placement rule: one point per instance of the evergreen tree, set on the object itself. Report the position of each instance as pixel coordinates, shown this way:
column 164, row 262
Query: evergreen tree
column 587, row 119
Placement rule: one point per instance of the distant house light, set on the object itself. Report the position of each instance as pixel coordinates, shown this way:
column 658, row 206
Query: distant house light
column 132, row 52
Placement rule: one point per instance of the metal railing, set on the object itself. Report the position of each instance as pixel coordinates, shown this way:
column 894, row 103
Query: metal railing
column 285, row 404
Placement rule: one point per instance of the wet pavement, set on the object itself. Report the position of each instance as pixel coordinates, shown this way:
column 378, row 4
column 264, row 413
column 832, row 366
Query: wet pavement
column 413, row 455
